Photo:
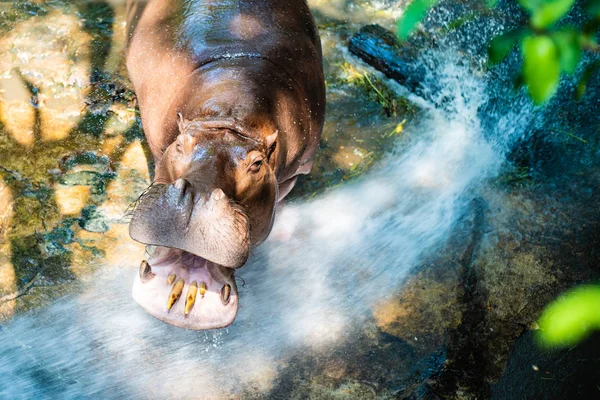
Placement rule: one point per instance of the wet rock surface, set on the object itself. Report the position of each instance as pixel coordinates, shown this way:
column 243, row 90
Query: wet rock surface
column 381, row 49
column 528, row 246
column 73, row 159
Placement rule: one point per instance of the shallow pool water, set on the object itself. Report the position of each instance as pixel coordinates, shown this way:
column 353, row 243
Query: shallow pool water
column 427, row 219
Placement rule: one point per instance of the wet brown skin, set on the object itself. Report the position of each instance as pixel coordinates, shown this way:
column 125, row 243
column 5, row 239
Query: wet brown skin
column 232, row 101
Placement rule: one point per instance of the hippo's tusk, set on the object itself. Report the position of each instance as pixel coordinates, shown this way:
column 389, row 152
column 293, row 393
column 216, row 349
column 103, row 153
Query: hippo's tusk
column 179, row 184
column 225, row 294
column 146, row 273
column 191, row 297
column 171, row 279
column 203, row 288
column 175, row 293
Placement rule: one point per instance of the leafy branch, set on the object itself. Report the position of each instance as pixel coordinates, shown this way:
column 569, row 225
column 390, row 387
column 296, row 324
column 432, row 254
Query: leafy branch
column 548, row 50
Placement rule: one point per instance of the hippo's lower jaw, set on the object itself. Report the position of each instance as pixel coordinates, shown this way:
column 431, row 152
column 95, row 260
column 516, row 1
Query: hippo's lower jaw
column 185, row 290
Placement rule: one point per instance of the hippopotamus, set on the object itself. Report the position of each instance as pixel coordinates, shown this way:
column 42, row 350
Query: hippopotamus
column 231, row 95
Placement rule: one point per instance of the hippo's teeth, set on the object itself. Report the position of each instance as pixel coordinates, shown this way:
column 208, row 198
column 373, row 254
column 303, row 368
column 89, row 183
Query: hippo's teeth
column 191, row 297
column 175, row 293
column 179, row 184
column 146, row 273
column 225, row 294
column 203, row 288
column 171, row 279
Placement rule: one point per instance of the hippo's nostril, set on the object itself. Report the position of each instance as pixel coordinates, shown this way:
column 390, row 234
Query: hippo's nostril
column 175, row 293
column 146, row 273
column 225, row 294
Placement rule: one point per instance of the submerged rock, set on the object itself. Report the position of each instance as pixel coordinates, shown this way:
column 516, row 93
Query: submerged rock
column 92, row 221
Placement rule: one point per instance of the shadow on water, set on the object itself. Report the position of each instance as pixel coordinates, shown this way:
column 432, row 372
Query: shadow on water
column 44, row 257
column 35, row 101
column 98, row 19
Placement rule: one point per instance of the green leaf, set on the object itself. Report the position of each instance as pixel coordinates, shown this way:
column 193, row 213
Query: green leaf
column 531, row 5
column 501, row 45
column 593, row 8
column 413, row 14
column 587, row 38
column 569, row 49
column 571, row 317
column 518, row 81
column 549, row 12
column 460, row 21
column 491, row 3
column 541, row 68
column 585, row 78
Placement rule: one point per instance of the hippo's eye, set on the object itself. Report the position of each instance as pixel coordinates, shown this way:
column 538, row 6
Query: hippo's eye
column 255, row 167
column 179, row 148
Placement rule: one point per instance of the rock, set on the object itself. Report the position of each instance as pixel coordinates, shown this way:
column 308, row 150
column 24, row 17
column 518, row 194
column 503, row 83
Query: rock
column 379, row 48
column 92, row 221
column 424, row 310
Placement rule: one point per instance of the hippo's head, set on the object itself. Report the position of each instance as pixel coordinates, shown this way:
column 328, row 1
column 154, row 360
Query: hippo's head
column 214, row 197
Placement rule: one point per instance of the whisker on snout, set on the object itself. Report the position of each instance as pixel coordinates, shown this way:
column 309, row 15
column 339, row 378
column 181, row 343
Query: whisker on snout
column 239, row 210
column 241, row 279
column 151, row 192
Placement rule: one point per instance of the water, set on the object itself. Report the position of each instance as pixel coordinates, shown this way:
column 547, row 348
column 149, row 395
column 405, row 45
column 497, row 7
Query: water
column 310, row 288
column 337, row 257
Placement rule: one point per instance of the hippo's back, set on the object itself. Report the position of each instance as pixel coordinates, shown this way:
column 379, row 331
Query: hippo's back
column 168, row 40
column 206, row 29
column 279, row 30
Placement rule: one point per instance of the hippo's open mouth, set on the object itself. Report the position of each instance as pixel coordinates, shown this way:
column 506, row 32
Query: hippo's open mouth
column 185, row 290
column 197, row 239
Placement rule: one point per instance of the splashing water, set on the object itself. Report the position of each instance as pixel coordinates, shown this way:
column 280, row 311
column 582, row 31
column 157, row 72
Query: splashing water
column 351, row 248
column 328, row 262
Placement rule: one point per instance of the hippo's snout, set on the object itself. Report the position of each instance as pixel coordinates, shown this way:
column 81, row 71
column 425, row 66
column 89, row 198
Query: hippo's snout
column 207, row 225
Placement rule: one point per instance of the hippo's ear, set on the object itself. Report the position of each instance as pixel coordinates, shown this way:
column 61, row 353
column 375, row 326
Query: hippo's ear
column 182, row 123
column 271, row 141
